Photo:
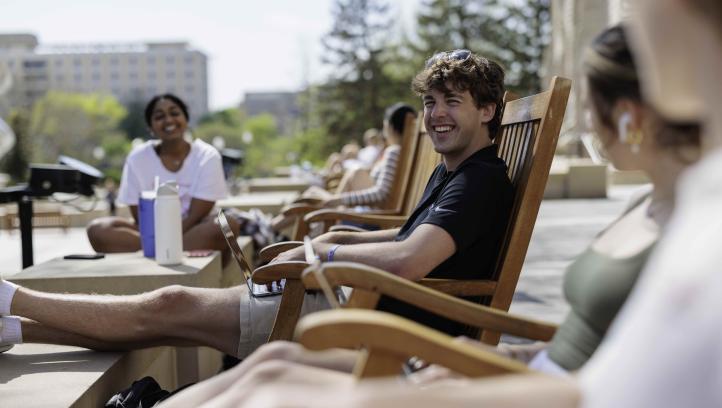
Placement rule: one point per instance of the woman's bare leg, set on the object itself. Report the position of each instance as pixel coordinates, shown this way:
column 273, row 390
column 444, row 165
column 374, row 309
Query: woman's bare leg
column 194, row 315
column 113, row 234
column 281, row 351
column 208, row 235
column 234, row 390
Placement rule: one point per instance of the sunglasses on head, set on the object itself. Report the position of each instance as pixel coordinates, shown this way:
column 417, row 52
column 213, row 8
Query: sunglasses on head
column 456, row 55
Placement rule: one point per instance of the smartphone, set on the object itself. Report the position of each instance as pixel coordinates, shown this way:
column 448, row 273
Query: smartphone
column 85, row 256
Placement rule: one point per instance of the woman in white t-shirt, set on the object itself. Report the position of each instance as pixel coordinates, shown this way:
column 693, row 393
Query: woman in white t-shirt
column 195, row 166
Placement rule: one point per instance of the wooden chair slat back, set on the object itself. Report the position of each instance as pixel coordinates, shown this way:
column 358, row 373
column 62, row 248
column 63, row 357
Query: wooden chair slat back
column 528, row 137
column 407, row 156
column 426, row 161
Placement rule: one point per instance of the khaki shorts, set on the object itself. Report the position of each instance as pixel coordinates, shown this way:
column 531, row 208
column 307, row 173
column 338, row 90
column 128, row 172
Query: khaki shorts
column 259, row 313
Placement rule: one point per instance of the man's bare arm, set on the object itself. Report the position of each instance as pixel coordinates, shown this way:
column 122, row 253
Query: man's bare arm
column 352, row 238
column 413, row 258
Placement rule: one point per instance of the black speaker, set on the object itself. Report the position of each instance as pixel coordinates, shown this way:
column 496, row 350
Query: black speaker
column 46, row 179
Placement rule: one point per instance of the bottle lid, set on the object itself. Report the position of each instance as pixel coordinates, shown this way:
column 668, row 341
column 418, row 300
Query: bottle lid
column 168, row 188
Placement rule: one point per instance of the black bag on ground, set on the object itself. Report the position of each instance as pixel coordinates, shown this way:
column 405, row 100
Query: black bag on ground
column 144, row 393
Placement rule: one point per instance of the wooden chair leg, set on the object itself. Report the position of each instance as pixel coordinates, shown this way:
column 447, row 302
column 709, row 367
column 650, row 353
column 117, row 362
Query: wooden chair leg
column 376, row 363
column 363, row 299
column 288, row 311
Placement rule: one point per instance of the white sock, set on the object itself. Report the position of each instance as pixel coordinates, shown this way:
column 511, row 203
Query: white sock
column 10, row 330
column 7, row 291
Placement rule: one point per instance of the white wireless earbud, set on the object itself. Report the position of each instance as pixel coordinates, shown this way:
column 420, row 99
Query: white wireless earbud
column 622, row 126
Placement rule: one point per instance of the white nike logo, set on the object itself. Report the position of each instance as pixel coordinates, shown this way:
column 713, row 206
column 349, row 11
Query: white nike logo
column 441, row 210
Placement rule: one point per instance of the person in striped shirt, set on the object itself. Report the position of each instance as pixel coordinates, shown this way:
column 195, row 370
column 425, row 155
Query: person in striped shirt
column 361, row 187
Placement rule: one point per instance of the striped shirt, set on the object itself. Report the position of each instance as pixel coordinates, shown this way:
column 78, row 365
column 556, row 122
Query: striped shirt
column 383, row 175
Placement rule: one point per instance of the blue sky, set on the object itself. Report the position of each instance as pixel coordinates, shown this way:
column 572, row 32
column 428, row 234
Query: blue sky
column 261, row 45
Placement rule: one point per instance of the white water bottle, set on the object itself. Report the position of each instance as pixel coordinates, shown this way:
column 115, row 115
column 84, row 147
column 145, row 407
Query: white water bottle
column 168, row 225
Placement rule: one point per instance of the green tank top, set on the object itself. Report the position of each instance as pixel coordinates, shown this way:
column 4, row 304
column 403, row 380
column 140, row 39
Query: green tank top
column 596, row 286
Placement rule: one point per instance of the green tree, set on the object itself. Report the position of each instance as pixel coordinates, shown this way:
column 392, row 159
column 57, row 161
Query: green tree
column 513, row 32
column 16, row 162
column 355, row 96
column 72, row 124
column 133, row 124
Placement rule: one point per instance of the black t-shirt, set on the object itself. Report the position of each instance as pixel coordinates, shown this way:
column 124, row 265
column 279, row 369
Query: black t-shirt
column 472, row 204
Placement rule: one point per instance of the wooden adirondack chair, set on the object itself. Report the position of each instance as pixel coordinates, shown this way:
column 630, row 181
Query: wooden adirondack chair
column 530, row 129
column 394, row 201
column 422, row 164
column 387, row 341
column 292, row 297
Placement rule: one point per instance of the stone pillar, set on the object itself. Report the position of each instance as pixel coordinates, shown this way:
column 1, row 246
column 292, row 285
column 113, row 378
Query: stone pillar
column 574, row 24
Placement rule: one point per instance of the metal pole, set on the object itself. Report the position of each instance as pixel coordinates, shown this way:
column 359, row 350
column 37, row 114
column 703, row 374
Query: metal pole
column 25, row 215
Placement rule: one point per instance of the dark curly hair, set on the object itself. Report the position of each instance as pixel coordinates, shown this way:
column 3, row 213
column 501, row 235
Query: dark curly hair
column 482, row 77
column 151, row 105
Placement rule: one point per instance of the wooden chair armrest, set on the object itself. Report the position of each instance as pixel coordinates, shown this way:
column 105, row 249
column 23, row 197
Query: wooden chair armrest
column 307, row 201
column 359, row 276
column 383, row 221
column 276, row 271
column 271, row 251
column 458, row 287
column 298, row 210
column 396, row 339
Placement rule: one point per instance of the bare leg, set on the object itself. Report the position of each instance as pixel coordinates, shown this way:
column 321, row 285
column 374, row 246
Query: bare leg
column 276, row 372
column 207, row 235
column 34, row 332
column 194, row 315
column 113, row 234
column 337, row 360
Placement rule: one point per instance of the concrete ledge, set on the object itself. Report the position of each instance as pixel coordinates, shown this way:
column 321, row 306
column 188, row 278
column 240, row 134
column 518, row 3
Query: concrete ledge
column 576, row 178
column 42, row 375
column 118, row 274
column 618, row 177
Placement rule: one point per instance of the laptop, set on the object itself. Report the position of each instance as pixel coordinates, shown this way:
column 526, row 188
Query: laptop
column 263, row 290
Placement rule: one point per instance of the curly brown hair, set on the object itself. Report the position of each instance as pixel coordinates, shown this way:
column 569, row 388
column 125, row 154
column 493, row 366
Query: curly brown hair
column 482, row 77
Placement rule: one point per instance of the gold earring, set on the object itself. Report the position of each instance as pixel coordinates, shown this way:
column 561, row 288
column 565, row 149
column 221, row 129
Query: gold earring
column 635, row 140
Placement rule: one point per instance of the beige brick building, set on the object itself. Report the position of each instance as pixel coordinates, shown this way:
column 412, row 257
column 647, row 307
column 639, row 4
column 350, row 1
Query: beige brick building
column 130, row 72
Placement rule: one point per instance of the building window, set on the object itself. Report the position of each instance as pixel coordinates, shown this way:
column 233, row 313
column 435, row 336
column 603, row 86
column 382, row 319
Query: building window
column 59, row 78
column 133, row 75
column 77, row 61
column 95, row 61
column 170, row 59
column 114, row 76
column 170, row 74
column 133, row 60
column 58, row 63
column 189, row 74
column 96, row 76
column 188, row 59
column 190, row 89
column 151, row 59
column 113, row 60
column 78, row 77
column 152, row 75
column 34, row 64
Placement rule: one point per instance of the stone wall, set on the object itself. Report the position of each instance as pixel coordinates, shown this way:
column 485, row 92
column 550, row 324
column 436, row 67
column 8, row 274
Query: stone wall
column 574, row 24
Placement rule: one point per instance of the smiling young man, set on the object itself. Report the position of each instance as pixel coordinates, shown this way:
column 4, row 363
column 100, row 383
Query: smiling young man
column 454, row 232
column 456, row 229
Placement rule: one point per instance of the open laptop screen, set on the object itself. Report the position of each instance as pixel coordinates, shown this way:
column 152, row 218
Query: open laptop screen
column 274, row 288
